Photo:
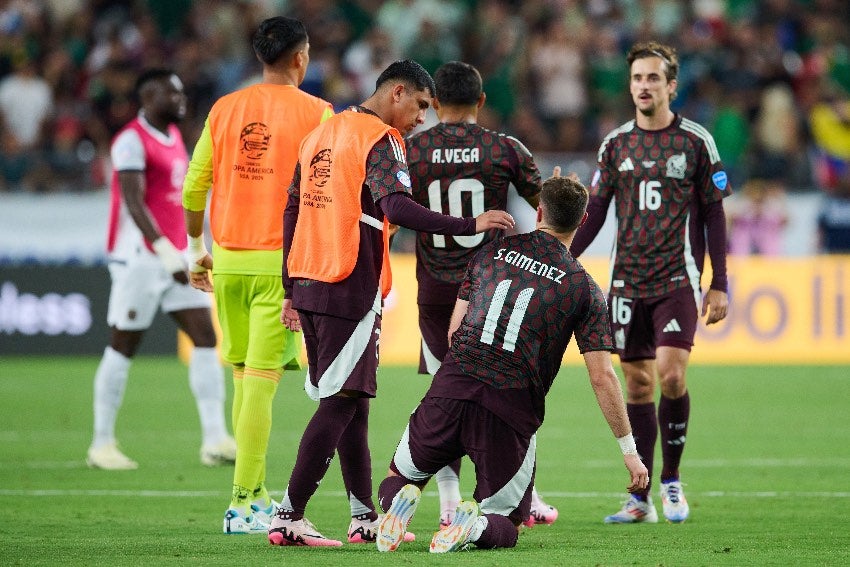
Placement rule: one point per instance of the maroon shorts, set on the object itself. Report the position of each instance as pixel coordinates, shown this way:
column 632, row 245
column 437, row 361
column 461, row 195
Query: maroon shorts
column 434, row 327
column 639, row 326
column 342, row 354
column 442, row 430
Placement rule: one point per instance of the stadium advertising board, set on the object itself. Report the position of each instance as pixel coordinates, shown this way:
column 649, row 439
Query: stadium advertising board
column 782, row 310
column 62, row 310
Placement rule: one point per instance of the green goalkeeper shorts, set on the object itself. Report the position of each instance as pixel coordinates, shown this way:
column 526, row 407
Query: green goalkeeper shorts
column 249, row 315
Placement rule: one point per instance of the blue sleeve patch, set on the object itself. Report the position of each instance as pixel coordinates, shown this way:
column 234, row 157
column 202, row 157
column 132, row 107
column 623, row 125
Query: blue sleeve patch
column 720, row 180
column 403, row 178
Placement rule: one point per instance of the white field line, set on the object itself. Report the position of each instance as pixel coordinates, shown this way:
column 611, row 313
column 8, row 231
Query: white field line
column 755, row 463
column 339, row 493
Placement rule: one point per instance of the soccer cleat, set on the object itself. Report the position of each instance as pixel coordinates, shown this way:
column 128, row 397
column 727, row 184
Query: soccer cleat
column 297, row 532
column 236, row 523
column 455, row 536
column 673, row 501
column 393, row 525
column 266, row 514
column 364, row 531
column 634, row 511
column 541, row 513
column 221, row 453
column 109, row 458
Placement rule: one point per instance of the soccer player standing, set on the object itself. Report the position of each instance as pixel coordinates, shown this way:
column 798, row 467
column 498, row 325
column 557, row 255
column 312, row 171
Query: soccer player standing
column 350, row 183
column 246, row 155
column 523, row 298
column 668, row 184
column 146, row 239
column 461, row 169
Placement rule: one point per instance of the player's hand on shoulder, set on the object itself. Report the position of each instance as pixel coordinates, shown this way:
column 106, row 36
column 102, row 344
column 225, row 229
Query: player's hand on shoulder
column 494, row 219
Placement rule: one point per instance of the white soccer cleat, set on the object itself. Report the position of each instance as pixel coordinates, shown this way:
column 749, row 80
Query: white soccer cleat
column 297, row 532
column 364, row 531
column 235, row 523
column 635, row 511
column 221, row 453
column 455, row 536
column 676, row 509
column 109, row 458
column 266, row 514
column 393, row 525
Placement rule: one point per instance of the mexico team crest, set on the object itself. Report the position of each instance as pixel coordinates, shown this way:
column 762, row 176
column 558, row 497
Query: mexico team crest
column 676, row 166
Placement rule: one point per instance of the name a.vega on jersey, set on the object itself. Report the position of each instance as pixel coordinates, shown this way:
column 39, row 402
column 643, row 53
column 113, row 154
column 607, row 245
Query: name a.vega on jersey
column 456, row 155
column 530, row 264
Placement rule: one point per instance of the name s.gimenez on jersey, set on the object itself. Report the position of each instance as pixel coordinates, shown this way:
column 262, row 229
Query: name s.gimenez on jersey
column 456, row 155
column 536, row 267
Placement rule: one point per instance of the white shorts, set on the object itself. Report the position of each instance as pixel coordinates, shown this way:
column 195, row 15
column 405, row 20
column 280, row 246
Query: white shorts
column 140, row 285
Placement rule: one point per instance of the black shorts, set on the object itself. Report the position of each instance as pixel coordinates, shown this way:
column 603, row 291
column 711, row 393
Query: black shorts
column 342, row 354
column 442, row 430
column 434, row 327
column 640, row 325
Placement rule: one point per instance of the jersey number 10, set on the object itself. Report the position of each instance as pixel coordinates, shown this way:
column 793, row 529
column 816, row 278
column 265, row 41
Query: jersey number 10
column 454, row 192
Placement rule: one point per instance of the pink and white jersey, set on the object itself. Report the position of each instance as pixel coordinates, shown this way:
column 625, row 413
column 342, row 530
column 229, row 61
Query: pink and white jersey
column 163, row 160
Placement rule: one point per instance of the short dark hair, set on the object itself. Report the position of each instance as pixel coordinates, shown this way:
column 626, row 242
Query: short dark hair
column 655, row 49
column 409, row 72
column 564, row 201
column 276, row 37
column 149, row 75
column 458, row 83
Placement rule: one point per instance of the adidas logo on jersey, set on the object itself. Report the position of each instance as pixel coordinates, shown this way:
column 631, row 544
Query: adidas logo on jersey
column 672, row 327
column 626, row 165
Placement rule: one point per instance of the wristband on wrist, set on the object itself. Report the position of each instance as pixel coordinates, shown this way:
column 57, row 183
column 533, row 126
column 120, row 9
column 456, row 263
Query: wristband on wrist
column 627, row 444
column 196, row 251
column 197, row 246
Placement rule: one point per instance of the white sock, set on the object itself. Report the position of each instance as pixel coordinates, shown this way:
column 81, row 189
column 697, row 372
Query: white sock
column 110, row 380
column 448, row 485
column 206, row 379
column 535, row 498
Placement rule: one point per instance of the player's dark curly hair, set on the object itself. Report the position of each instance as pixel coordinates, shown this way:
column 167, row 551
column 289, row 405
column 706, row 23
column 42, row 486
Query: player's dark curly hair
column 655, row 49
column 277, row 37
column 408, row 72
column 564, row 201
column 150, row 75
column 458, row 83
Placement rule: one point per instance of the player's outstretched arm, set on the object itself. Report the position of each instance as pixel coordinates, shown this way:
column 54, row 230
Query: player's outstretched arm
column 609, row 395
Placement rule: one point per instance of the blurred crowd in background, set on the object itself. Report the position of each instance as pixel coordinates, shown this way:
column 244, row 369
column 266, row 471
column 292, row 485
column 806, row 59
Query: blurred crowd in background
column 770, row 79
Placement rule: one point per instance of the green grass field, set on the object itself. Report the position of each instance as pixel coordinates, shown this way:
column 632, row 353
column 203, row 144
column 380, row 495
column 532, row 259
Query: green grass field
column 767, row 473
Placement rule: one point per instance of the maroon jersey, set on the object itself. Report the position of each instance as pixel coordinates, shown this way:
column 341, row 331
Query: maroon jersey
column 527, row 297
column 462, row 170
column 660, row 181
